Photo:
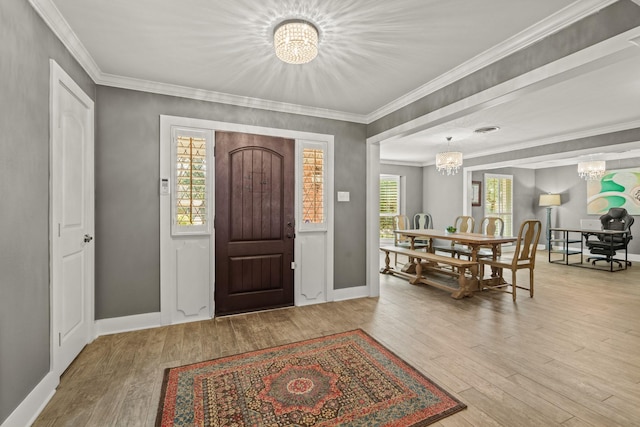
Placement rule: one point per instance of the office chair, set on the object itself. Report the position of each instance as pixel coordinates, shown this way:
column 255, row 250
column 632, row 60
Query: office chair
column 606, row 245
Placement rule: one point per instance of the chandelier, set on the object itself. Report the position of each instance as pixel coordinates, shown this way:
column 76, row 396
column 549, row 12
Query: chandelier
column 592, row 170
column 296, row 41
column 448, row 162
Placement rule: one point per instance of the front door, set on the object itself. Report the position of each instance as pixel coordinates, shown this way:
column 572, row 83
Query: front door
column 72, row 218
column 254, row 222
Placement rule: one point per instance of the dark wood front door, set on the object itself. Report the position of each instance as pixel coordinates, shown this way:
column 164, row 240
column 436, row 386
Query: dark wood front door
column 254, row 222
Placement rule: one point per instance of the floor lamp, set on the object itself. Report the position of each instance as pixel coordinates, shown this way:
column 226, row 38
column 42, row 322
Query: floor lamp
column 548, row 201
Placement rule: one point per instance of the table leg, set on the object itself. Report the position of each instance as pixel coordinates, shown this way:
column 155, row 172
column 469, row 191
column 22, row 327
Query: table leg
column 387, row 267
column 410, row 267
column 474, row 282
column 418, row 269
column 466, row 285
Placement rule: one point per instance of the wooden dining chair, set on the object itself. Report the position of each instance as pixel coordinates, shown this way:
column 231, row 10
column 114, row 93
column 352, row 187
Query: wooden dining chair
column 400, row 222
column 463, row 224
column 422, row 221
column 491, row 226
column 524, row 257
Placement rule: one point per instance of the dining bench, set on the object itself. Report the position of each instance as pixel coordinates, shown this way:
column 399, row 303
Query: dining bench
column 455, row 267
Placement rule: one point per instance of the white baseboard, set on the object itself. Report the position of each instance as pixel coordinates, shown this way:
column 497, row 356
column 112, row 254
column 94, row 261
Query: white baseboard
column 350, row 293
column 127, row 323
column 27, row 412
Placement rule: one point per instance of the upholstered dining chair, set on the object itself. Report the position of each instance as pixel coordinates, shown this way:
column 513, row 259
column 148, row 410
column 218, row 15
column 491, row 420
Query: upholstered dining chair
column 463, row 224
column 524, row 257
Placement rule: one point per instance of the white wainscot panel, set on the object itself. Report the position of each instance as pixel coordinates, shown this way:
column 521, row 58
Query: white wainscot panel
column 192, row 278
column 312, row 266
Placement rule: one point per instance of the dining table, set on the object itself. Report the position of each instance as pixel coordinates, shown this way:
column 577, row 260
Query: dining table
column 474, row 241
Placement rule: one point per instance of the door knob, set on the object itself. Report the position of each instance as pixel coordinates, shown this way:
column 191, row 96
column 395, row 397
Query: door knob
column 88, row 238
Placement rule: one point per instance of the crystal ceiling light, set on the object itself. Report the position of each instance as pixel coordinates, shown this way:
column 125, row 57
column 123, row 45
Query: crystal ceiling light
column 449, row 162
column 592, row 170
column 296, row 41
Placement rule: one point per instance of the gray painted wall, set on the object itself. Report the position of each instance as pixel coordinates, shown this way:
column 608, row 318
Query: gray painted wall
column 529, row 184
column 524, row 192
column 442, row 197
column 413, row 186
column 573, row 192
column 26, row 44
column 127, row 200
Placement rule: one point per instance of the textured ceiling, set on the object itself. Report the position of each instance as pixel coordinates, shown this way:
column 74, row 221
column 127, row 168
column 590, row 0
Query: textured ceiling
column 606, row 98
column 375, row 56
column 371, row 51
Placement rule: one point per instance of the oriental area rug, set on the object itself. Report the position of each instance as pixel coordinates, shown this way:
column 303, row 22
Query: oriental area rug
column 346, row 379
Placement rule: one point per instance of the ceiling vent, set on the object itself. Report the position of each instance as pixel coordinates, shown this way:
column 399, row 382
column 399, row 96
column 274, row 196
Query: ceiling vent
column 487, row 129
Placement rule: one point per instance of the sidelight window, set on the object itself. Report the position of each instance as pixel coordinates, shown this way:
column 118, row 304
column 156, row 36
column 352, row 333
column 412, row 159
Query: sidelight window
column 190, row 201
column 313, row 195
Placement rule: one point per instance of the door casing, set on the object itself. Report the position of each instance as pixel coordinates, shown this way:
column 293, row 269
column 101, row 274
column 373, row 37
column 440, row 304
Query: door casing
column 304, row 272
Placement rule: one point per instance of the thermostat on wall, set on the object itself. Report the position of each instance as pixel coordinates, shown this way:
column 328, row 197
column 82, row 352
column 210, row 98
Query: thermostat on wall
column 343, row 196
column 164, row 186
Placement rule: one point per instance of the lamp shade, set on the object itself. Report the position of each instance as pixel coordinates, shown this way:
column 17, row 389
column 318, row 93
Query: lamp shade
column 549, row 200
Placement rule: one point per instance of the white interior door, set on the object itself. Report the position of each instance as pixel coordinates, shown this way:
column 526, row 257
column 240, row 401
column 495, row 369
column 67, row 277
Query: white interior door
column 72, row 219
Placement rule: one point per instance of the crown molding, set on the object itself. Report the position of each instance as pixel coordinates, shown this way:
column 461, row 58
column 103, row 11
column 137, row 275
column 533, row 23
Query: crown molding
column 563, row 18
column 402, row 163
column 223, row 98
column 573, row 136
column 60, row 27
column 54, row 19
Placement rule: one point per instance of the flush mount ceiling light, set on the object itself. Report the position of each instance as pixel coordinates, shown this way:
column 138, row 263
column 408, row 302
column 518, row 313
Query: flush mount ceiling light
column 296, row 41
column 448, row 162
column 592, row 170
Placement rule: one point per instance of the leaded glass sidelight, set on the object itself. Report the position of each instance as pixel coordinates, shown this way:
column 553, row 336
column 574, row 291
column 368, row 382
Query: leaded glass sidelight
column 190, row 195
column 191, row 186
column 313, row 161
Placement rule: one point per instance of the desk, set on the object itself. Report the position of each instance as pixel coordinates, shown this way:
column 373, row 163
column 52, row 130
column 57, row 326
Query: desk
column 567, row 251
column 473, row 240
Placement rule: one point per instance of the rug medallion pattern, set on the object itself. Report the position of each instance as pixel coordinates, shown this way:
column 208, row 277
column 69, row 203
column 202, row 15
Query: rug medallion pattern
column 344, row 379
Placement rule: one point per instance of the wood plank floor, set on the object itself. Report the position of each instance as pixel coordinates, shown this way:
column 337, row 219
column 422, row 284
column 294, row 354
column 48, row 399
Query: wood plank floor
column 569, row 356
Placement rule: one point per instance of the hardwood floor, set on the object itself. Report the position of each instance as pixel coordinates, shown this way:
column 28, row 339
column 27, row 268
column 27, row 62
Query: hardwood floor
column 569, row 356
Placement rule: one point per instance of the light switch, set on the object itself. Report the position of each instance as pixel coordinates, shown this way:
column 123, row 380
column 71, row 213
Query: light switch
column 343, row 196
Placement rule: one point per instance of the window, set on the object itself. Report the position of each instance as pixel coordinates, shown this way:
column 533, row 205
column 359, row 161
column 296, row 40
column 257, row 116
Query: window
column 313, row 196
column 190, row 201
column 498, row 199
column 312, row 186
column 389, row 204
